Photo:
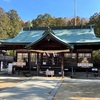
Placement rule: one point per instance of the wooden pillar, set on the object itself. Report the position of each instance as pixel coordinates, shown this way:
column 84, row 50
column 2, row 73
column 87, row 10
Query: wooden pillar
column 72, row 69
column 13, row 53
column 62, row 65
column 37, row 64
column 13, row 68
column 29, row 59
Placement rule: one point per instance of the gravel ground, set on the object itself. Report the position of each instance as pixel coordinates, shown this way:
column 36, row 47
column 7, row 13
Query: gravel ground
column 8, row 81
column 70, row 89
column 24, row 88
column 79, row 89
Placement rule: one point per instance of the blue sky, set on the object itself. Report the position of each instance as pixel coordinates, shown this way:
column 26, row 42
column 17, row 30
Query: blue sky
column 30, row 9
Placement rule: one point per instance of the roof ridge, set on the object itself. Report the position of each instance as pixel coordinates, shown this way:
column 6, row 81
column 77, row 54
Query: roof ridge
column 58, row 27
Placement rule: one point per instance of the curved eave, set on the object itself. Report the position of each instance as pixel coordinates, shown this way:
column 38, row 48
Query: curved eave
column 51, row 34
column 62, row 42
column 86, row 43
column 14, row 43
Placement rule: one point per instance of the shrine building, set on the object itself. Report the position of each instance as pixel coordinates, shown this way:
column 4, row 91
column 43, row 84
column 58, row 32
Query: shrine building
column 59, row 49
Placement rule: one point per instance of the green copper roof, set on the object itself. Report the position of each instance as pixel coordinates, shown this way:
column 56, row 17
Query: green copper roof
column 26, row 37
column 77, row 35
column 65, row 35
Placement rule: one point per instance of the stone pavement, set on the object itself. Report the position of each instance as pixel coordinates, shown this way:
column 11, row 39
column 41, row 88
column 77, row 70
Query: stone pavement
column 36, row 88
column 78, row 89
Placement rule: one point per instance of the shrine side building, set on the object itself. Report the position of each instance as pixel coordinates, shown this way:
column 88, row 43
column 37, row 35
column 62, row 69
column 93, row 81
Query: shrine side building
column 60, row 49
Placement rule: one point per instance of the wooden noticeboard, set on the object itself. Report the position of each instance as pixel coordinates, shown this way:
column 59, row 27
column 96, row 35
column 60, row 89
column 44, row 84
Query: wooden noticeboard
column 19, row 64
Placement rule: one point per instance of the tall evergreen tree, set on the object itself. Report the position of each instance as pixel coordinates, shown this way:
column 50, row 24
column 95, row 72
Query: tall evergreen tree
column 95, row 20
column 15, row 23
column 4, row 24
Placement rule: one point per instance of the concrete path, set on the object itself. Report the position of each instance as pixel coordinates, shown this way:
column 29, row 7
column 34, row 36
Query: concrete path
column 37, row 88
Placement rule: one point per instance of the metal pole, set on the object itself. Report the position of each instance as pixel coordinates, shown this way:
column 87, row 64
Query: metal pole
column 75, row 11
